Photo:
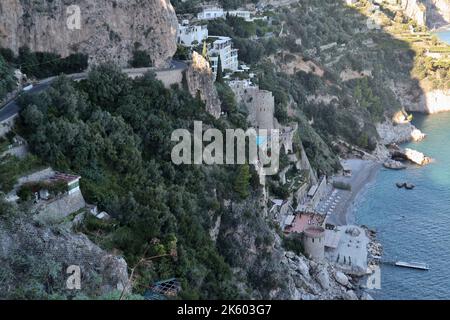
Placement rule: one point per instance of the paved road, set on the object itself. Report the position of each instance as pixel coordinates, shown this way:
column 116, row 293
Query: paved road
column 12, row 108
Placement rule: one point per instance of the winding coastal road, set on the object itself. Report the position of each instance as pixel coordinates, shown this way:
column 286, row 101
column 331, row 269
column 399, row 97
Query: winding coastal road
column 11, row 108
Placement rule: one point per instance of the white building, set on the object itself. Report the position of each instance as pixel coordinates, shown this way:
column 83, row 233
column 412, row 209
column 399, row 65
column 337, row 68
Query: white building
column 191, row 35
column 223, row 47
column 246, row 15
column 210, row 13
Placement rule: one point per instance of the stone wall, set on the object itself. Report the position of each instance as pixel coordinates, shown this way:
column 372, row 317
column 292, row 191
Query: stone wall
column 63, row 206
column 170, row 77
column 260, row 104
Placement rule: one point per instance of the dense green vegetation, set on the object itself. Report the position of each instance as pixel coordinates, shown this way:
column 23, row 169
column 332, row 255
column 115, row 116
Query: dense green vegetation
column 7, row 80
column 244, row 34
column 115, row 133
column 12, row 168
column 141, row 59
column 45, row 64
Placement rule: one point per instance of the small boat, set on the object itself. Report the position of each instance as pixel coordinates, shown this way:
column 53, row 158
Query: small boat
column 413, row 265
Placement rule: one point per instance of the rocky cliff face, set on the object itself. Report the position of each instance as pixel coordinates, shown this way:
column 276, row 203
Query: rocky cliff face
column 415, row 10
column 432, row 13
column 34, row 261
column 108, row 30
column 200, row 79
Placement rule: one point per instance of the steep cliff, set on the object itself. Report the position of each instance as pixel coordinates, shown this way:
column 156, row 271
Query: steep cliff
column 432, row 13
column 35, row 258
column 107, row 30
column 415, row 10
column 200, row 79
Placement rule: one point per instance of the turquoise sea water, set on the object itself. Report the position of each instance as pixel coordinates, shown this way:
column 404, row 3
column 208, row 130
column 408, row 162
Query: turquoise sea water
column 414, row 226
column 444, row 35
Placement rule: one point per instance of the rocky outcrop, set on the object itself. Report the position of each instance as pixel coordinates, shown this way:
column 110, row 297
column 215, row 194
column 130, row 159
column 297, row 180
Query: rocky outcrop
column 434, row 101
column 394, row 165
column 432, row 13
column 417, row 98
column 415, row 10
column 416, row 157
column 256, row 253
column 200, row 80
column 108, row 30
column 34, row 261
column 390, row 133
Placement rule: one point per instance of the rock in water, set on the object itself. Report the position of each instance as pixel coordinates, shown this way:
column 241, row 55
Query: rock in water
column 394, row 165
column 416, row 157
column 417, row 135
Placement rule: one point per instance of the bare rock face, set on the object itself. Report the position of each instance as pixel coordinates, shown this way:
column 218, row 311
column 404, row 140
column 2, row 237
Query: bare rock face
column 415, row 10
column 256, row 253
column 416, row 157
column 200, row 79
column 391, row 133
column 432, row 13
column 34, row 261
column 107, row 30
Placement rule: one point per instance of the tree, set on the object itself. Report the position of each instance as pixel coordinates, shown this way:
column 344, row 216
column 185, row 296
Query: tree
column 141, row 59
column 205, row 50
column 219, row 77
column 227, row 97
column 242, row 181
column 7, row 82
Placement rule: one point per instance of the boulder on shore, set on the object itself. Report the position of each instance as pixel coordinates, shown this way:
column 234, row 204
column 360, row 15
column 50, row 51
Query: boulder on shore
column 394, row 165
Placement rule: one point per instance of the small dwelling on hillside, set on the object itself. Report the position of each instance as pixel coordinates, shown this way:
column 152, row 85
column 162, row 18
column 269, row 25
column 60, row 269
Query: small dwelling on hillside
column 210, row 13
column 191, row 35
column 216, row 12
column 52, row 192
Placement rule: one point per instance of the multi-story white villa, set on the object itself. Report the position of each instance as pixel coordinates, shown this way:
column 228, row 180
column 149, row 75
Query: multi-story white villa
column 189, row 35
column 246, row 15
column 223, row 47
column 209, row 13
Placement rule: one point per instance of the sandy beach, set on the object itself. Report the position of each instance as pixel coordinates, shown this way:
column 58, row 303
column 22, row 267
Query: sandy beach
column 339, row 204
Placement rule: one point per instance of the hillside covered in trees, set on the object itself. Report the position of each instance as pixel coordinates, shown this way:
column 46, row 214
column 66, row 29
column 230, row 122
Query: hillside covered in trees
column 115, row 133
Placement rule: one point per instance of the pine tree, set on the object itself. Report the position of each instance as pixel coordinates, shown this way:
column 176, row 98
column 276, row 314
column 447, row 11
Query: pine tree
column 219, row 77
column 205, row 51
column 242, row 181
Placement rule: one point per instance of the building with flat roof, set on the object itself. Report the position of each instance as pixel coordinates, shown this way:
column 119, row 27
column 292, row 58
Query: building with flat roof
column 191, row 35
column 346, row 247
column 223, row 47
column 305, row 220
column 210, row 13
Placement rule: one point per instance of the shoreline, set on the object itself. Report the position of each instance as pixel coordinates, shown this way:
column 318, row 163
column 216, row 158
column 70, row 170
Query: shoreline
column 363, row 173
